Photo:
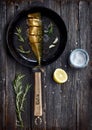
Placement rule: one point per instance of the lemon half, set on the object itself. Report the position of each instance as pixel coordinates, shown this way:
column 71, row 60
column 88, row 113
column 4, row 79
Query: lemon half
column 60, row 76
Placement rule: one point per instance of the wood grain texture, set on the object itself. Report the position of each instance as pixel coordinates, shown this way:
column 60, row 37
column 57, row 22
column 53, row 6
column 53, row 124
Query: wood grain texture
column 38, row 95
column 90, row 73
column 10, row 117
column 84, row 25
column 67, row 106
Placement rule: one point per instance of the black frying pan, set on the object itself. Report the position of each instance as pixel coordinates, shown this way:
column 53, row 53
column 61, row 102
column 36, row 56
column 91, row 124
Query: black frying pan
column 49, row 54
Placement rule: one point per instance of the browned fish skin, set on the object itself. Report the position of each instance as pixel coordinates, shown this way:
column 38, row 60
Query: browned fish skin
column 34, row 22
column 34, row 15
column 34, row 39
column 35, row 34
column 35, row 31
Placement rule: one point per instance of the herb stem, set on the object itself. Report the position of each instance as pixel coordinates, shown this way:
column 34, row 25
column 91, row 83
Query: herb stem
column 23, row 98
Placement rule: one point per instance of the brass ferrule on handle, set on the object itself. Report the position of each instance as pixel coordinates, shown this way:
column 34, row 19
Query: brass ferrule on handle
column 38, row 95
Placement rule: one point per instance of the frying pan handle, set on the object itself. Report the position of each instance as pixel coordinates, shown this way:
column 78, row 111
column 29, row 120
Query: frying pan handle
column 38, row 95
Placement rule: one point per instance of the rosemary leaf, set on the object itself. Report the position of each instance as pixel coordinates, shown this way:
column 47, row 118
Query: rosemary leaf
column 49, row 30
column 18, row 33
column 21, row 38
column 21, row 49
column 18, row 29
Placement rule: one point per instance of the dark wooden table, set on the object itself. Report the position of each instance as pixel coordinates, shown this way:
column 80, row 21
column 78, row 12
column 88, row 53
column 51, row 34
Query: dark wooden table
column 67, row 106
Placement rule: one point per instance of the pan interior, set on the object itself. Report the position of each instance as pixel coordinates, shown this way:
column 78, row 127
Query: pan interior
column 50, row 49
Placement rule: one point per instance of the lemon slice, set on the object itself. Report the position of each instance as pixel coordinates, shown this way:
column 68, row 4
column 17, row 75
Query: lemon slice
column 60, row 76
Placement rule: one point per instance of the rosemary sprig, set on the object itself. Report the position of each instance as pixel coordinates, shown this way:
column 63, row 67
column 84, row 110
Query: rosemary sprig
column 20, row 96
column 49, row 30
column 21, row 50
column 18, row 33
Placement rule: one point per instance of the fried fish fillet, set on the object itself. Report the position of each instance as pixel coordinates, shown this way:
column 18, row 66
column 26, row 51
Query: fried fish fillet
column 35, row 34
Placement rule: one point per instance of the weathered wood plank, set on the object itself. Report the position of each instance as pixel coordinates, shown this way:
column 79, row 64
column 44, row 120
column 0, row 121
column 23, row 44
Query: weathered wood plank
column 2, row 66
column 90, row 79
column 59, row 1
column 48, row 87
column 56, row 89
column 3, row 62
column 69, row 89
column 66, row 101
column 83, row 83
column 10, row 71
column 20, row 7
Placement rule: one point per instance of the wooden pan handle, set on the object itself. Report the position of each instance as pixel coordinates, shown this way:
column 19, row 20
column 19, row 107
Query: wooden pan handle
column 38, row 95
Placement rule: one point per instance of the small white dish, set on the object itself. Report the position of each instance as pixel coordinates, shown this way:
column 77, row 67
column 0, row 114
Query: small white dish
column 78, row 58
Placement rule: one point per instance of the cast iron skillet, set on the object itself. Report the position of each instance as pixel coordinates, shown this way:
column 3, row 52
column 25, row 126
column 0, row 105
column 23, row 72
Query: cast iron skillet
column 49, row 54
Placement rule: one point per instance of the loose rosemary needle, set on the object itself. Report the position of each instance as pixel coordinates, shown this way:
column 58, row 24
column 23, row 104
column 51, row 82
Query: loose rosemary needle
column 20, row 97
column 21, row 50
column 49, row 30
column 18, row 33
